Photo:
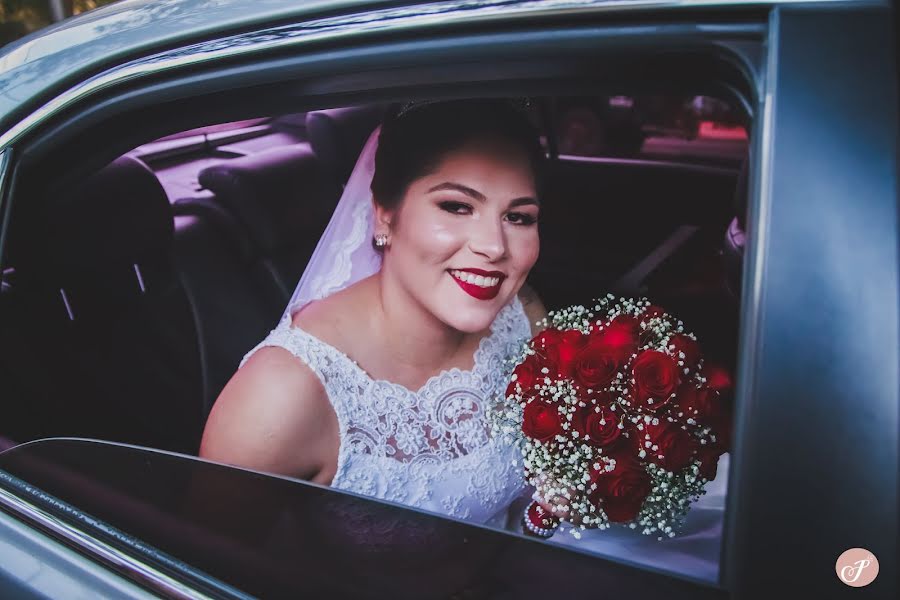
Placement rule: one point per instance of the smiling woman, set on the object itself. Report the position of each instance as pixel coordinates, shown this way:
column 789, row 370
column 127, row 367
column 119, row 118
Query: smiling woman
column 395, row 365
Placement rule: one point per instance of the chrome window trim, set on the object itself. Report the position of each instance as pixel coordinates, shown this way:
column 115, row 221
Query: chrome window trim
column 398, row 19
column 4, row 166
column 753, row 288
column 124, row 564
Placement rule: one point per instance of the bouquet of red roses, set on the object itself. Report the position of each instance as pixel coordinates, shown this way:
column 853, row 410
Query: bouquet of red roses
column 615, row 410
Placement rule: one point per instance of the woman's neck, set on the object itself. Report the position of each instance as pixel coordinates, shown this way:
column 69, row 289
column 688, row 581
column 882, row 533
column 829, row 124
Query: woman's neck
column 412, row 338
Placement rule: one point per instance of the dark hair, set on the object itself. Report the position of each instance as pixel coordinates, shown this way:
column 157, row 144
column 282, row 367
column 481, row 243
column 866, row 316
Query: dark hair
column 413, row 140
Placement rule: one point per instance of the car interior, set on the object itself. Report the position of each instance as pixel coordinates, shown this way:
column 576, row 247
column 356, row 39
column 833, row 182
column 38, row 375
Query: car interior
column 130, row 293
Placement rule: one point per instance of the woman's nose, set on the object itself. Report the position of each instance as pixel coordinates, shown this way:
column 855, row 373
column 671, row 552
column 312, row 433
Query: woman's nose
column 489, row 239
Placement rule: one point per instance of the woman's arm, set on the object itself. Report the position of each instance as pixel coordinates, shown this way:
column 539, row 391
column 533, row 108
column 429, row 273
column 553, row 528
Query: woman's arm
column 274, row 416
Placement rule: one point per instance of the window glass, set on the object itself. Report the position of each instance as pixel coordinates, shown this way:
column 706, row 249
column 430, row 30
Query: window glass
column 276, row 537
column 151, row 308
column 687, row 128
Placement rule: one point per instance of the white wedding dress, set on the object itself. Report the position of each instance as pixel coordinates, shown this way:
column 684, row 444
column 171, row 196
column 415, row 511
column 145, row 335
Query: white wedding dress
column 428, row 448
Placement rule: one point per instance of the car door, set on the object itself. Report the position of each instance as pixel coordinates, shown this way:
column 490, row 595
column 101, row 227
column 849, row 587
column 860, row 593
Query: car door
column 815, row 455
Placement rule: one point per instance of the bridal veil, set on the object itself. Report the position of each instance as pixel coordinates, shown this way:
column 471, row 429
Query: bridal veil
column 344, row 254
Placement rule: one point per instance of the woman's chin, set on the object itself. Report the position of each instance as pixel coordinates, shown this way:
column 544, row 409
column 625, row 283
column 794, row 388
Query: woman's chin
column 467, row 328
column 472, row 319
column 468, row 313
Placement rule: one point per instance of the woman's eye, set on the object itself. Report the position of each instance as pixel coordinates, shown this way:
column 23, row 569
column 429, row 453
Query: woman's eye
column 521, row 218
column 458, row 208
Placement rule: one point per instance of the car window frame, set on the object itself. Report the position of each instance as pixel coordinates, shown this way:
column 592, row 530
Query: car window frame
column 762, row 145
column 677, row 31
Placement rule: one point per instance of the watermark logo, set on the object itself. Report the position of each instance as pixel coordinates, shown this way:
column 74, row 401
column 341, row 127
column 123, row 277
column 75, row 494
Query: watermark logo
column 857, row 567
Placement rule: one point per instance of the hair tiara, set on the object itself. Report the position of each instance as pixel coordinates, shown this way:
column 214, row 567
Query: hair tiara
column 520, row 104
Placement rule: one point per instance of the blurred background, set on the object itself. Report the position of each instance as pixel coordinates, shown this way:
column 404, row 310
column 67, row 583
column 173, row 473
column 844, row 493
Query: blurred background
column 20, row 17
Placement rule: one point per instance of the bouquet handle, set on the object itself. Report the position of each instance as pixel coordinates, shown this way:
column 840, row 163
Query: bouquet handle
column 537, row 522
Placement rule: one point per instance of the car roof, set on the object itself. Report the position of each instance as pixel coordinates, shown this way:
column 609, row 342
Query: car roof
column 34, row 65
column 46, row 61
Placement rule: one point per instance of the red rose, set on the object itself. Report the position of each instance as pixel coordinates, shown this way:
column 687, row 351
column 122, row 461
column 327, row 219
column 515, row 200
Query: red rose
column 620, row 337
column 527, row 374
column 716, row 414
column 622, row 491
column 570, row 344
column 601, row 429
column 540, row 421
column 717, row 378
column 626, row 323
column 547, row 337
column 701, row 404
column 595, row 366
column 556, row 350
column 674, row 446
column 679, row 344
column 655, row 378
column 708, row 454
column 546, row 348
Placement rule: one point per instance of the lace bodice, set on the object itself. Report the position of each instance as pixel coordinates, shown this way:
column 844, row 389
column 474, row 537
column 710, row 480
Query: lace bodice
column 429, row 448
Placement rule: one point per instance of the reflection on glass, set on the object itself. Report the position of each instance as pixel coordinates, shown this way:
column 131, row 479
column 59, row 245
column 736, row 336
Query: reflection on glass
column 271, row 536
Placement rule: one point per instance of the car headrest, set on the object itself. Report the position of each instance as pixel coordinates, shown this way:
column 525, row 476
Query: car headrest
column 278, row 194
column 338, row 135
column 117, row 218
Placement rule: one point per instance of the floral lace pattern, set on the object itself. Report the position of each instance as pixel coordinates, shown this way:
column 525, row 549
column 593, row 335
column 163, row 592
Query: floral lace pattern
column 429, row 448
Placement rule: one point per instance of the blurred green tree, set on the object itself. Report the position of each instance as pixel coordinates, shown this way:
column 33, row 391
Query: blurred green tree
column 21, row 17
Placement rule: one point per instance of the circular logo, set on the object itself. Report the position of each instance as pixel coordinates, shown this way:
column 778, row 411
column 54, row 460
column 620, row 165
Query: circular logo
column 857, row 567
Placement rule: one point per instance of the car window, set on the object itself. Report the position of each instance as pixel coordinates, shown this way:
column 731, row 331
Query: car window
column 216, row 243
column 149, row 279
column 219, row 250
column 692, row 128
column 274, row 537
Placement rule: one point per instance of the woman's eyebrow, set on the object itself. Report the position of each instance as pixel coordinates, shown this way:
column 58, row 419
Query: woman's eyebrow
column 523, row 201
column 449, row 185
column 476, row 195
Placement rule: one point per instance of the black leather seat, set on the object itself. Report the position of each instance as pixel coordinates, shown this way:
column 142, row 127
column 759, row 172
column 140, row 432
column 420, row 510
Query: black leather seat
column 98, row 334
column 234, row 304
column 120, row 325
column 283, row 201
column 338, row 135
column 243, row 251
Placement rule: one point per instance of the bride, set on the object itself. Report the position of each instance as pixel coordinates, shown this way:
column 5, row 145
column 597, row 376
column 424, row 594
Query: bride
column 378, row 376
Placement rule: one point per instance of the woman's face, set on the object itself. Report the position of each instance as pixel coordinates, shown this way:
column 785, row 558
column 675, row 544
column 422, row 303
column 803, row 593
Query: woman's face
column 465, row 236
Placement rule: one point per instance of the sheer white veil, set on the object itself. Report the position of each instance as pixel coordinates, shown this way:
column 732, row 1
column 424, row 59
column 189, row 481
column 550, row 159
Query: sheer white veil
column 344, row 254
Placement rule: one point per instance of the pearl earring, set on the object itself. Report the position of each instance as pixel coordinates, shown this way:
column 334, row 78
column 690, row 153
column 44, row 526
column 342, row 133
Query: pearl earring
column 381, row 240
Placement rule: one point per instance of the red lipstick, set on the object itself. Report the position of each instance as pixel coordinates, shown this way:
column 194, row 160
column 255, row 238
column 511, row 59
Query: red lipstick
column 477, row 291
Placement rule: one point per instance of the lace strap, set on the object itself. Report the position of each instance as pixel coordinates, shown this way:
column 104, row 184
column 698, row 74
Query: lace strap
column 512, row 328
column 329, row 365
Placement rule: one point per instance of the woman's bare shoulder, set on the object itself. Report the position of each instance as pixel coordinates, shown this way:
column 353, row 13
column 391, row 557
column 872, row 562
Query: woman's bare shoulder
column 274, row 416
column 533, row 306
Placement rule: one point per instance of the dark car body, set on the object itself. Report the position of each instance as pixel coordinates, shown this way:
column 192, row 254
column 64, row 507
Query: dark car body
column 814, row 468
